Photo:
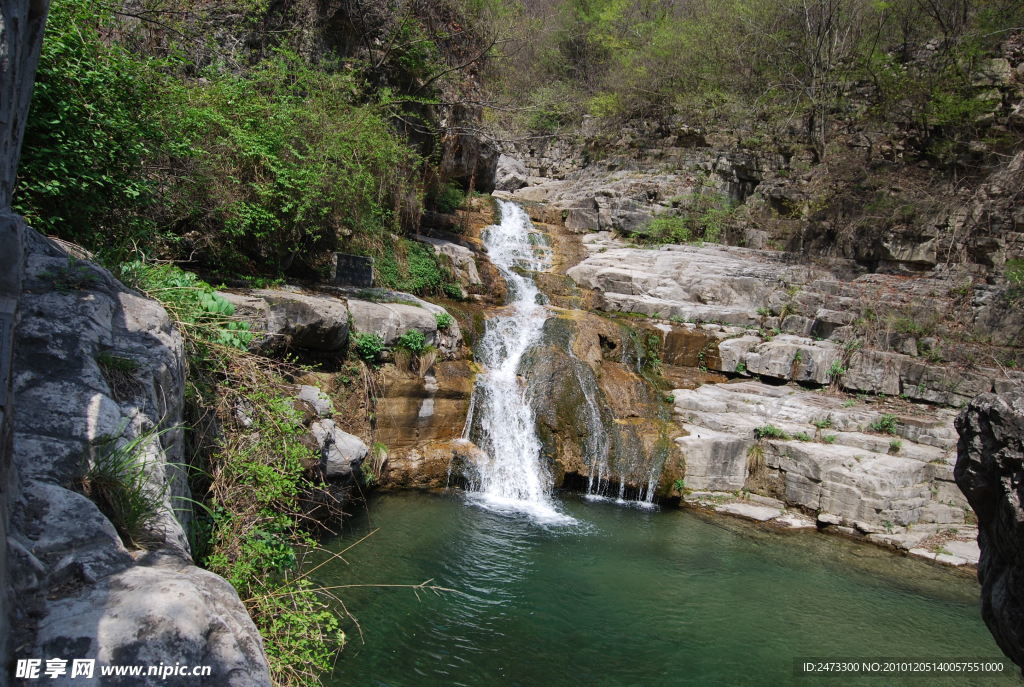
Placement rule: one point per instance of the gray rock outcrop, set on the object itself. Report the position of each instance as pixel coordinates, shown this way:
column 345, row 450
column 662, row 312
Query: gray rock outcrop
column 868, row 480
column 342, row 453
column 320, row 323
column 990, row 471
column 98, row 366
column 509, row 174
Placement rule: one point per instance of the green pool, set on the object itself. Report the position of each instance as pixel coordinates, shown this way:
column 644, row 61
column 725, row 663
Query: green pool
column 632, row 597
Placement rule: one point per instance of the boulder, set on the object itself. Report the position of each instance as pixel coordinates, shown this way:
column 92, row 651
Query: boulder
column 98, row 365
column 317, row 400
column 990, row 471
column 510, row 174
column 286, row 319
column 163, row 611
column 389, row 320
column 342, row 453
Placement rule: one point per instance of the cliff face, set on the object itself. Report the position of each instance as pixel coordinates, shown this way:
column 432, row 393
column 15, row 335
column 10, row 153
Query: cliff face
column 990, row 471
column 99, row 380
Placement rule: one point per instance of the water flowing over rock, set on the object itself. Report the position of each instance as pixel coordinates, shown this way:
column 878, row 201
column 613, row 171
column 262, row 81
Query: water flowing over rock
column 990, row 471
column 511, row 476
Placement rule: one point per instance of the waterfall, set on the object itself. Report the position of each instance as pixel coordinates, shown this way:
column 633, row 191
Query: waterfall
column 511, row 476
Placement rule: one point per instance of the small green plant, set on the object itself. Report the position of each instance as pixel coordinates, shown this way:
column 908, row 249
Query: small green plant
column 741, row 367
column 368, row 346
column 764, row 312
column 76, row 275
column 413, row 341
column 849, row 403
column 823, row 423
column 830, row 438
column 117, row 481
column 895, row 445
column 836, row 370
column 885, row 424
column 802, row 436
column 679, row 486
column 770, row 432
column 444, row 320
column 798, row 357
column 449, row 199
column 669, row 398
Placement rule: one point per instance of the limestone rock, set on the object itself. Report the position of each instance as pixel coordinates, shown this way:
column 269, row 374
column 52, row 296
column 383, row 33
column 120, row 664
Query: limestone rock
column 161, row 611
column 78, row 591
column 342, row 453
column 990, row 470
column 290, row 319
column 317, row 400
column 390, row 320
column 852, row 475
column 749, row 511
column 432, row 464
column 510, row 174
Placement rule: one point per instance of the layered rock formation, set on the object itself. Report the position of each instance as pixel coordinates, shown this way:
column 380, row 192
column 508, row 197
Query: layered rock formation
column 98, row 371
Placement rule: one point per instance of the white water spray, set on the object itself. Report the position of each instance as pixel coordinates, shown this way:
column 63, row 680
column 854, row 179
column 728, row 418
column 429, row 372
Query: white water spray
column 512, row 476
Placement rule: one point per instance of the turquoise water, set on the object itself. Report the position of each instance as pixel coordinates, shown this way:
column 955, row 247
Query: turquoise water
column 632, row 597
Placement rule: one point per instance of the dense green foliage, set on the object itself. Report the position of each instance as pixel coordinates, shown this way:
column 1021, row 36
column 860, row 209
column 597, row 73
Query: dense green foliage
column 749, row 63
column 95, row 120
column 414, row 267
column 254, row 170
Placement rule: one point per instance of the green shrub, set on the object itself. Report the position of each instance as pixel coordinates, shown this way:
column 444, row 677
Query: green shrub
column 886, row 424
column 449, row 198
column 414, row 268
column 94, row 121
column 368, row 346
column 444, row 320
column 770, row 432
column 413, row 341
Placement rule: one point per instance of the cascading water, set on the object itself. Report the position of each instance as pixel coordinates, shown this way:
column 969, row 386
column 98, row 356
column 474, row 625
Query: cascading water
column 511, row 477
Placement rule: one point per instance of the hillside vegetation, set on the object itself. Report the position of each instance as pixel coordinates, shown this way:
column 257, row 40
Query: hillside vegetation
column 246, row 138
column 790, row 67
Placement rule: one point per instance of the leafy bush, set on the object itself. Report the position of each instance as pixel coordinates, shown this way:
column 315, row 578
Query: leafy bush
column 94, row 121
column 239, row 169
column 449, row 198
column 770, row 432
column 419, row 272
column 413, row 341
column 886, row 424
column 281, row 162
column 368, row 346
column 444, row 320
